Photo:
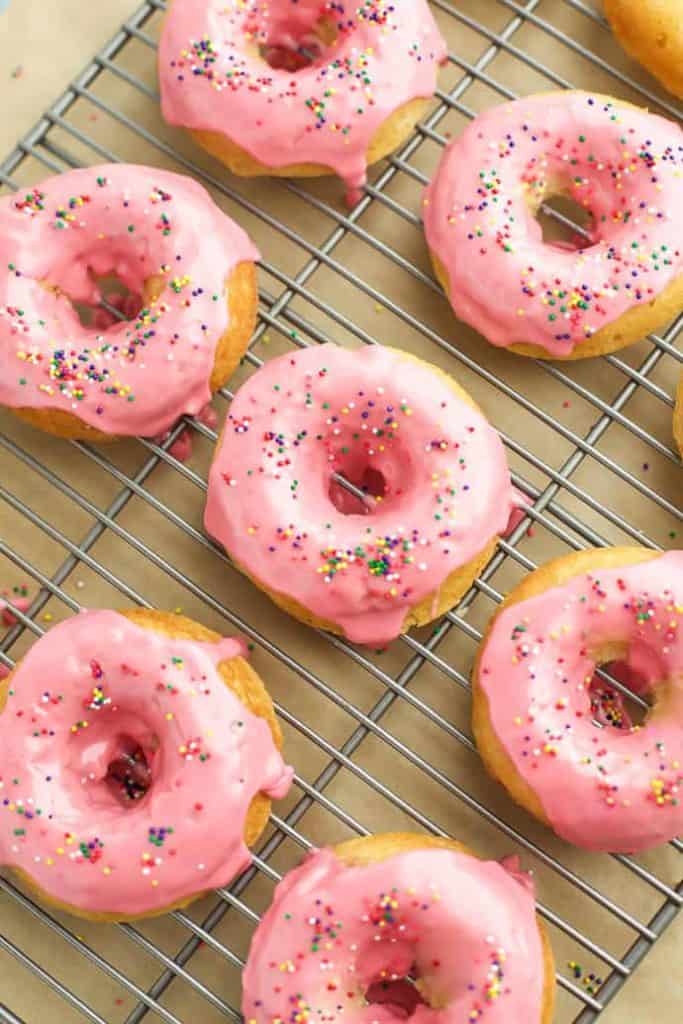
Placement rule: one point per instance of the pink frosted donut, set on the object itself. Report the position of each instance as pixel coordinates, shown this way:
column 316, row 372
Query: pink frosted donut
column 130, row 769
column 350, row 929
column 189, row 265
column 561, row 740
column 622, row 164
column 391, row 424
column 371, row 61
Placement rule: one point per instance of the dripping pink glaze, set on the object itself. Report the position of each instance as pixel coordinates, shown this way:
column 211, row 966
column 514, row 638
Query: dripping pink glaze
column 213, row 79
column 162, row 694
column 617, row 790
column 625, row 165
column 518, row 512
column 135, row 377
column 269, row 498
column 467, row 925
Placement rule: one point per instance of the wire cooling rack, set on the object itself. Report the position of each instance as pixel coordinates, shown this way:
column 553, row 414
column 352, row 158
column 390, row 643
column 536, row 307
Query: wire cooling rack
column 380, row 740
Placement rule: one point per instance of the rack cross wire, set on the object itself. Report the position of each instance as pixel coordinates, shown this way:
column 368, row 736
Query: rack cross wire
column 591, row 489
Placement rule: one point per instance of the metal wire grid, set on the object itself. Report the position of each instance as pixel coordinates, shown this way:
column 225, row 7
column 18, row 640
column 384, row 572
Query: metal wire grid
column 279, row 312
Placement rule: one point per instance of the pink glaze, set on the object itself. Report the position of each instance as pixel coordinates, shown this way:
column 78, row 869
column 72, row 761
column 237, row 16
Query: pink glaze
column 364, row 414
column 208, row 757
column 134, row 377
column 213, row 78
column 622, row 164
column 613, row 788
column 183, row 446
column 7, row 609
column 466, row 928
column 519, row 511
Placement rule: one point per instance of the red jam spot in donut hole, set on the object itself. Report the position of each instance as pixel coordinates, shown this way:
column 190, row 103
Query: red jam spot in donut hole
column 112, row 754
column 129, row 775
column 294, row 46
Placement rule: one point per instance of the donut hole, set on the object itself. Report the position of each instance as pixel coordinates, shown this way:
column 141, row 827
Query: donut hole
column 564, row 223
column 111, row 753
column 368, row 480
column 105, row 290
column 622, row 690
column 129, row 775
column 399, row 995
column 118, row 303
column 293, row 50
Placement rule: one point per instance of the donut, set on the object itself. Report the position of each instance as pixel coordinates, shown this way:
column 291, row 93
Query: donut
column 651, row 31
column 399, row 429
column 678, row 416
column 373, row 68
column 387, row 927
column 558, row 738
column 139, row 753
column 190, row 267
column 554, row 301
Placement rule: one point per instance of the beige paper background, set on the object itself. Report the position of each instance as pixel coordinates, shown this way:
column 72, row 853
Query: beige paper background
column 53, row 42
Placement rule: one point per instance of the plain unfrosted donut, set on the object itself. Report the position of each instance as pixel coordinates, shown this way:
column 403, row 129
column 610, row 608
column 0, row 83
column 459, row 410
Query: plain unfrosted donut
column 678, row 416
column 652, row 32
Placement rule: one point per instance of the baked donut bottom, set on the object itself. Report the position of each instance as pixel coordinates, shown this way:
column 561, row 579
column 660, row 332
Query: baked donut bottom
column 651, row 31
column 678, row 416
column 244, row 683
column 548, row 577
column 436, row 603
column 242, row 302
column 633, row 326
column 389, row 136
column 371, row 849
